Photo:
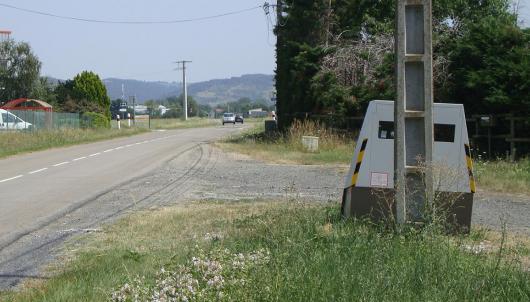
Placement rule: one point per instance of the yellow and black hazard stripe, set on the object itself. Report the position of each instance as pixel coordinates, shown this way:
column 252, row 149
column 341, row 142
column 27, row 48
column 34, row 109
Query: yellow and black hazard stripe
column 359, row 161
column 470, row 169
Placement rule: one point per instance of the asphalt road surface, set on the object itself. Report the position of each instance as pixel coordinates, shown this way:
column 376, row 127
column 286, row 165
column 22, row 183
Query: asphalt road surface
column 40, row 187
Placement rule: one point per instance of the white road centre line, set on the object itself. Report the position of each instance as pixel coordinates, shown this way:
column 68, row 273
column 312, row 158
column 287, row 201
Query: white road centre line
column 130, row 145
column 95, row 154
column 138, row 143
column 109, row 150
column 80, row 158
column 61, row 164
column 37, row 171
column 118, row 148
column 12, row 178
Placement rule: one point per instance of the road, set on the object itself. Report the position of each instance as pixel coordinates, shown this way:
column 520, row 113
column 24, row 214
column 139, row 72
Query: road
column 40, row 187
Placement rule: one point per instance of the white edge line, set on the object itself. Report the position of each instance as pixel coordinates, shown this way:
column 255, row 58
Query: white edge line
column 60, row 164
column 38, row 171
column 79, row 158
column 12, row 178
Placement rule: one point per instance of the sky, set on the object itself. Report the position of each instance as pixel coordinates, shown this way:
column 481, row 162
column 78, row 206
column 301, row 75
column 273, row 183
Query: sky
column 219, row 48
column 524, row 12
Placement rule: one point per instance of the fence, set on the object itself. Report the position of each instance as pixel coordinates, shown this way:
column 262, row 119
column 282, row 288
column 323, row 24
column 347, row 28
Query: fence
column 38, row 120
column 502, row 135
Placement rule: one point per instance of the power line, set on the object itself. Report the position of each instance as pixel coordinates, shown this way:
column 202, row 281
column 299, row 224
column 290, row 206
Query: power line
column 36, row 12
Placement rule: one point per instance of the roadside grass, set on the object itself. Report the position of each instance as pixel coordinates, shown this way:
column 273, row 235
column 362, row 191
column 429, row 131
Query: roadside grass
column 504, row 176
column 280, row 251
column 16, row 142
column 167, row 124
column 334, row 148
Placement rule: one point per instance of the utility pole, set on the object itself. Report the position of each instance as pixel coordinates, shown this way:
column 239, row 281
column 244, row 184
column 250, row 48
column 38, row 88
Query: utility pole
column 134, row 109
column 184, row 87
column 413, row 112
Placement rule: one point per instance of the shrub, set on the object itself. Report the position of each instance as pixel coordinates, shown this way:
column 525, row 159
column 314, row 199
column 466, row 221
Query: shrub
column 94, row 120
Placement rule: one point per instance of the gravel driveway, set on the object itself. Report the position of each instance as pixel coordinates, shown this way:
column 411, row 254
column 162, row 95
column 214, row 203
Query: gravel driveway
column 206, row 173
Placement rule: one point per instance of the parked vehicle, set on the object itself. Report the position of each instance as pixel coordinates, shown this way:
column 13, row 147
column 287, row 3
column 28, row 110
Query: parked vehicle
column 229, row 118
column 9, row 121
column 239, row 118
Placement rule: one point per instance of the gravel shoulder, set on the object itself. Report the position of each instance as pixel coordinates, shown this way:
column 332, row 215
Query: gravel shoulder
column 207, row 173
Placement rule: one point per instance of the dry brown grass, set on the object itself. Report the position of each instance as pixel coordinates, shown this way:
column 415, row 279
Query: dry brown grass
column 334, row 147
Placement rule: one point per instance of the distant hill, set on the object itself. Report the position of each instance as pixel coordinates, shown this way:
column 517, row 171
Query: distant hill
column 254, row 86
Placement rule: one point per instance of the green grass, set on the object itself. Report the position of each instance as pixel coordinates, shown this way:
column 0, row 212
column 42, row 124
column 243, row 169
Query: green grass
column 167, row 124
column 311, row 255
column 16, row 142
column 504, row 176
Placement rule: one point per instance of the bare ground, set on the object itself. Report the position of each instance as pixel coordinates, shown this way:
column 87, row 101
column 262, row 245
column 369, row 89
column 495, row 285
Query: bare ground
column 206, row 173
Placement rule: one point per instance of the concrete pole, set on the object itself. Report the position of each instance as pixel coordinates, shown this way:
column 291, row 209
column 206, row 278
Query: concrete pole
column 134, row 110
column 413, row 112
column 185, row 90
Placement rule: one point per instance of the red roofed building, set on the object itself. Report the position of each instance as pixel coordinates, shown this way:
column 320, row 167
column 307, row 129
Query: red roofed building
column 28, row 104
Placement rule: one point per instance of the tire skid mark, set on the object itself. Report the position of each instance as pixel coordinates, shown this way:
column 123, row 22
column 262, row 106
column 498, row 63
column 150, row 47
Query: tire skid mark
column 180, row 185
column 82, row 204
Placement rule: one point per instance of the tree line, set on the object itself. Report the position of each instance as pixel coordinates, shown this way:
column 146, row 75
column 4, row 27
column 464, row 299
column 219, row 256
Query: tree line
column 20, row 78
column 334, row 56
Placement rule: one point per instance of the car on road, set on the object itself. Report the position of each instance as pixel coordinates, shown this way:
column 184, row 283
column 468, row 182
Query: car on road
column 239, row 118
column 9, row 121
column 229, row 118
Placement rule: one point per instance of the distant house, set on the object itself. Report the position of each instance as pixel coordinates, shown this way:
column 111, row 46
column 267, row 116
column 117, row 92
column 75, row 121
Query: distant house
column 33, row 110
column 28, row 104
column 258, row 112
